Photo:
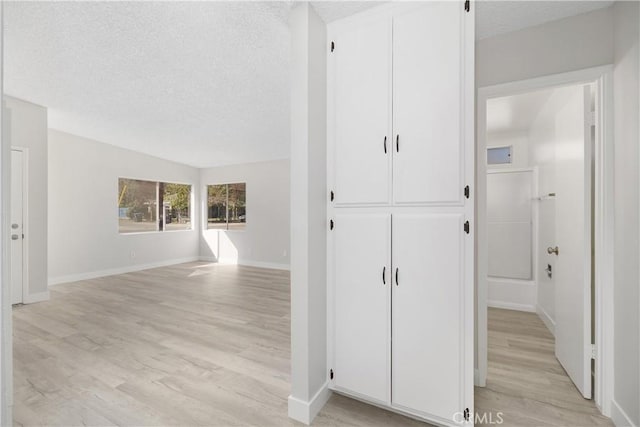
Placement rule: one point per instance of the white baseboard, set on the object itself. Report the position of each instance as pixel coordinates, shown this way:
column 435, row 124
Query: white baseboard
column 305, row 412
column 511, row 306
column 261, row 264
column 132, row 268
column 247, row 262
column 547, row 320
column 122, row 270
column 619, row 417
column 37, row 297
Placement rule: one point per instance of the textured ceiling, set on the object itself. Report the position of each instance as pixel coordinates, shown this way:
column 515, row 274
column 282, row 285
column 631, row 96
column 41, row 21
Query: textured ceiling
column 499, row 17
column 493, row 17
column 332, row 10
column 201, row 83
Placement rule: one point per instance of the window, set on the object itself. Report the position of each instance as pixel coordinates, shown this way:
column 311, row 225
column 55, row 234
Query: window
column 227, row 206
column 498, row 155
column 138, row 203
column 177, row 206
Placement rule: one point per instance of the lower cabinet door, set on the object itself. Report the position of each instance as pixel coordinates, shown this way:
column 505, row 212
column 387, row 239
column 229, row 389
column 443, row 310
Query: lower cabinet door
column 361, row 305
column 427, row 317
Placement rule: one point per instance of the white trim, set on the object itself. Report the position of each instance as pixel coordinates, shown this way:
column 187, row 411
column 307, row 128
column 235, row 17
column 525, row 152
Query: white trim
column 25, row 222
column 546, row 319
column 619, row 417
column 120, row 270
column 511, row 170
column 604, row 238
column 246, row 262
column 507, row 305
column 305, row 412
column 6, row 341
column 37, row 297
column 603, row 219
column 262, row 264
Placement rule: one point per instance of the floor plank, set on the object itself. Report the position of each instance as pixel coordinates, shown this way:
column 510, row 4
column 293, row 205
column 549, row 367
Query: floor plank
column 207, row 344
column 525, row 383
column 187, row 345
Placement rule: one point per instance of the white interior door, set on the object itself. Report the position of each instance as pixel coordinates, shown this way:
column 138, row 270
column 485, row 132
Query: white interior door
column 362, row 152
column 427, row 98
column 427, row 314
column 361, row 304
column 17, row 241
column 573, row 239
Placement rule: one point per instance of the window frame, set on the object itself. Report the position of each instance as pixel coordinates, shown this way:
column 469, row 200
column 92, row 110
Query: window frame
column 499, row 147
column 157, row 182
column 205, row 203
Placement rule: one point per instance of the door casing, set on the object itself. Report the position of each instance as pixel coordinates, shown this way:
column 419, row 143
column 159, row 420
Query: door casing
column 25, row 221
column 603, row 219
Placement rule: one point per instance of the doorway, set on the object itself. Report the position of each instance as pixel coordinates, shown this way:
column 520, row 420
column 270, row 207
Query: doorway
column 543, row 165
column 19, row 259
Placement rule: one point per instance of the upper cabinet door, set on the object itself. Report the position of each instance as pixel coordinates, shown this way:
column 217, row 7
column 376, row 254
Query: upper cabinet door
column 361, row 64
column 427, row 105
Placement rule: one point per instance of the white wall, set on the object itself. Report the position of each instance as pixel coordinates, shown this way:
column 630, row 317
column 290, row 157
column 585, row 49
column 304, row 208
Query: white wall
column 627, row 253
column 569, row 44
column 28, row 127
column 83, row 222
column 265, row 240
column 309, row 389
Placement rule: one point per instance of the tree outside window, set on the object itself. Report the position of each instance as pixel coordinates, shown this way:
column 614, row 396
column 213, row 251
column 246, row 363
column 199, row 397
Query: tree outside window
column 138, row 203
column 226, row 206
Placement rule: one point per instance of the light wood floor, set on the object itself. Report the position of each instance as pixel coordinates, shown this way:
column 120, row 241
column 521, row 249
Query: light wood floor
column 525, row 381
column 207, row 344
column 194, row 344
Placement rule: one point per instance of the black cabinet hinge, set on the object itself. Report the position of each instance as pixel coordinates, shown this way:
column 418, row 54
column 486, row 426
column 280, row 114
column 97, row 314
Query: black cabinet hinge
column 331, row 224
column 467, row 5
column 333, row 46
column 466, row 191
column 466, row 227
column 332, row 196
column 330, row 373
column 465, row 413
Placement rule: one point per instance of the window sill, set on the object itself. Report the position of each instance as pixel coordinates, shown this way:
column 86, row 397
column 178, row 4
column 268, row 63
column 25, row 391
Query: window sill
column 138, row 233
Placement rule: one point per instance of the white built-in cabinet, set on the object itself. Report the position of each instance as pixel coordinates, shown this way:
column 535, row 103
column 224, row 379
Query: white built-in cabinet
column 400, row 178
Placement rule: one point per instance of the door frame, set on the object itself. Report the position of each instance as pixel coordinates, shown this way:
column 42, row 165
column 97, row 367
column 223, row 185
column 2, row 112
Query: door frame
column 603, row 219
column 25, row 221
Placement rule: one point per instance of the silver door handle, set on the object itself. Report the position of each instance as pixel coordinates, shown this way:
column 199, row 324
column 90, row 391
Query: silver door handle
column 14, row 226
column 551, row 250
column 14, row 237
